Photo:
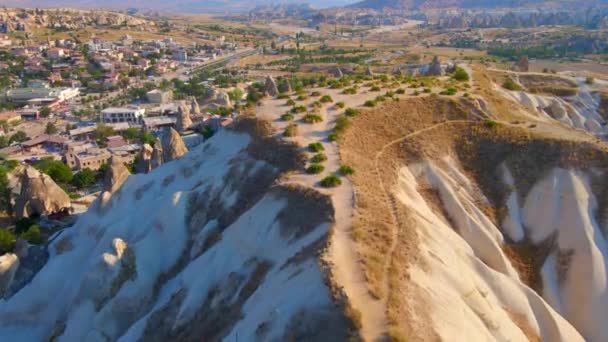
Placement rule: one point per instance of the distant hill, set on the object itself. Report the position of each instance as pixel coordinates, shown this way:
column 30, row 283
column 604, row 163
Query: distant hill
column 173, row 6
column 438, row 4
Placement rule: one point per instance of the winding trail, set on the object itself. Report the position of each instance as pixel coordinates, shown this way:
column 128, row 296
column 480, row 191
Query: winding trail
column 392, row 202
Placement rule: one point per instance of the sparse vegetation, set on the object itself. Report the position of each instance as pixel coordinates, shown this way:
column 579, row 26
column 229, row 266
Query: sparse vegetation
column 290, row 102
column 346, row 170
column 326, row 99
column 460, row 75
column 312, row 118
column 509, row 84
column 318, row 158
column 316, row 147
column 331, row 181
column 291, row 130
column 449, row 91
column 340, row 104
column 351, row 112
column 287, row 117
column 370, row 103
column 315, row 169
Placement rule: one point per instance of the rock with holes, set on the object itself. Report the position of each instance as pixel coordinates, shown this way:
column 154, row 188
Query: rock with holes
column 435, row 68
column 195, row 109
column 40, row 195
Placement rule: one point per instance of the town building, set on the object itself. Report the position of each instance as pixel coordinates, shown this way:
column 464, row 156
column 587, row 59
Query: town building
column 124, row 114
column 159, row 96
column 85, row 155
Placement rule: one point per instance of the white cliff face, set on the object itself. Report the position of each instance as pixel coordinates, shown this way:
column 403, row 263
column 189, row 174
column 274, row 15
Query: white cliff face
column 580, row 111
column 201, row 246
column 474, row 291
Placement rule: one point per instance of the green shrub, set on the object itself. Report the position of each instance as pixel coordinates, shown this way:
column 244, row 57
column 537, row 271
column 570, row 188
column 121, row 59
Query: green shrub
column 427, row 90
column 314, row 169
column 490, row 124
column 287, row 117
column 318, row 158
column 590, row 80
column 375, row 88
column 346, row 170
column 302, row 98
column 370, row 103
column 57, row 170
column 291, row 130
column 315, row 93
column 350, row 91
column 511, row 85
column 389, row 94
column 316, row 147
column 326, row 99
column 312, row 118
column 333, row 136
column 298, row 109
column 33, row 235
column 7, row 241
column 341, row 124
column 331, row 181
column 449, row 91
column 351, row 112
column 282, row 96
column 340, row 104
column 400, row 91
column 83, row 179
column 460, row 75
column 380, row 98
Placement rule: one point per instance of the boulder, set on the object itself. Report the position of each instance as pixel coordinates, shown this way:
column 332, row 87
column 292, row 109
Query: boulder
column 435, row 68
column 271, row 87
column 145, row 156
column 183, row 117
column 173, row 146
column 157, row 155
column 116, row 174
column 40, row 195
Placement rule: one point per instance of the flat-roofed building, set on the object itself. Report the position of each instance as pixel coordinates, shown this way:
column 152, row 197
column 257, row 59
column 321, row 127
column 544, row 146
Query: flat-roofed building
column 159, row 96
column 122, row 114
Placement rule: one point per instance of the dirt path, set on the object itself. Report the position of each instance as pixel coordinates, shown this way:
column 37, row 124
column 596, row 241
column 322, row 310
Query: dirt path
column 392, row 205
column 342, row 252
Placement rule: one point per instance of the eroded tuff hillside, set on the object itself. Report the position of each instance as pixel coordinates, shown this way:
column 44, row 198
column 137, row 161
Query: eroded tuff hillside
column 475, row 229
column 210, row 245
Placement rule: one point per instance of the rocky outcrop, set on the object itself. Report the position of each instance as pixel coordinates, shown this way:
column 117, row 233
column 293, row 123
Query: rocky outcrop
column 434, row 68
column 337, row 73
column 173, row 146
column 223, row 100
column 145, row 157
column 40, row 195
column 369, row 71
column 157, row 155
column 116, row 175
column 9, row 263
column 183, row 117
column 195, row 109
column 271, row 86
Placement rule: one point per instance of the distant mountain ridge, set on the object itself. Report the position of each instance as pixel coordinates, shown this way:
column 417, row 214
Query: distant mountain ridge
column 439, row 4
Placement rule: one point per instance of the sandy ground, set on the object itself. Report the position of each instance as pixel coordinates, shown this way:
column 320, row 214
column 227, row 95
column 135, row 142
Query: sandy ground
column 343, row 252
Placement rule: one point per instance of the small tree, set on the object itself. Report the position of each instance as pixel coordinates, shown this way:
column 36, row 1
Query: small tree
column 83, row 179
column 19, row 136
column 7, row 241
column 460, row 75
column 50, row 128
column 45, row 111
